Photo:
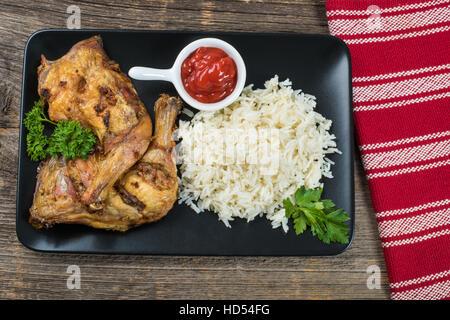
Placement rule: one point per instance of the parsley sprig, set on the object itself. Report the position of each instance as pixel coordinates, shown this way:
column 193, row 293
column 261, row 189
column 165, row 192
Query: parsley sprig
column 69, row 138
column 325, row 221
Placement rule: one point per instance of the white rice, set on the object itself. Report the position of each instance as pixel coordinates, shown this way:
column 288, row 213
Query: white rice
column 217, row 153
column 187, row 112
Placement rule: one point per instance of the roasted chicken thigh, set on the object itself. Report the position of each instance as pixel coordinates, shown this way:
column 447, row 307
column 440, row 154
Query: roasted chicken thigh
column 131, row 177
column 145, row 193
column 86, row 86
column 148, row 191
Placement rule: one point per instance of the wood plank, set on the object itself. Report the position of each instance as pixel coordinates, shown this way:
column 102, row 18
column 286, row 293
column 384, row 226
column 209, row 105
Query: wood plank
column 28, row 274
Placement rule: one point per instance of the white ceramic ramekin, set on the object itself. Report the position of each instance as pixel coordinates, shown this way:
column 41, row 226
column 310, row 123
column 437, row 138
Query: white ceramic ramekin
column 174, row 74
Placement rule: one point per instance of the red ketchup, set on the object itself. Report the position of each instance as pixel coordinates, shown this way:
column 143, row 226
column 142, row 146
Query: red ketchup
column 209, row 74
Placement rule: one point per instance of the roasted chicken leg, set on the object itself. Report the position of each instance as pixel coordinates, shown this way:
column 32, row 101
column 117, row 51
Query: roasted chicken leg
column 123, row 183
column 86, row 86
column 148, row 191
column 143, row 194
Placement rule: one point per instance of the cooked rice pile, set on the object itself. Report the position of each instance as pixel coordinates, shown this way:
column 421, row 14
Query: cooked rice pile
column 227, row 170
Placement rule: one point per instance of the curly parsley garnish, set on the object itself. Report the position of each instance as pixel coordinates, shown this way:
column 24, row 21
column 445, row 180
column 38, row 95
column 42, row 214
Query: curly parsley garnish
column 69, row 138
column 320, row 215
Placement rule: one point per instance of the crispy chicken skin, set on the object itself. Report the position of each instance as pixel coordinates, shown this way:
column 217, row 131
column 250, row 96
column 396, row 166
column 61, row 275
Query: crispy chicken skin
column 145, row 193
column 148, row 191
column 86, row 86
column 124, row 182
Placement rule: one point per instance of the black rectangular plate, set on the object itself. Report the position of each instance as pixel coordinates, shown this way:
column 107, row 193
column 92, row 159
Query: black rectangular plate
column 317, row 64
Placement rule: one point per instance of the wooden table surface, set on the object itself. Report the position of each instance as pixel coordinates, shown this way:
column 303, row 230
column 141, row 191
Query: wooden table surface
column 27, row 274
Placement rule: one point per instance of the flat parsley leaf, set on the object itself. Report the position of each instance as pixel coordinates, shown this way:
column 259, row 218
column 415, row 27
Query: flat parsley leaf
column 300, row 224
column 325, row 222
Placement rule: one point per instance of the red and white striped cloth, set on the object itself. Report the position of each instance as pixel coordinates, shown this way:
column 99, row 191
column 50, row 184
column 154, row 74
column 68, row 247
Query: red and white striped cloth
column 401, row 105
